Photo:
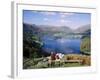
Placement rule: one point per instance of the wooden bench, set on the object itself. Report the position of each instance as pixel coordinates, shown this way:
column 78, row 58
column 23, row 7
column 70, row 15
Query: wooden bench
column 73, row 61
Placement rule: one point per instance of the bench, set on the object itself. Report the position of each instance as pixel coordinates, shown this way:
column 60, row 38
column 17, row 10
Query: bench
column 73, row 61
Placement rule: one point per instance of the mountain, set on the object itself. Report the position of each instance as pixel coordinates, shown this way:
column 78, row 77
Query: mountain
column 45, row 29
column 31, row 28
column 57, row 31
column 83, row 29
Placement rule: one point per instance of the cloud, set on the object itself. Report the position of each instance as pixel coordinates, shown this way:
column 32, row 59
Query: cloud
column 45, row 12
column 63, row 15
column 64, row 21
column 48, row 13
column 35, row 11
column 45, row 19
column 66, row 13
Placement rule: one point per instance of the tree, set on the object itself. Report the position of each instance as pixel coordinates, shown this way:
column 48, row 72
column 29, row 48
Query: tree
column 85, row 45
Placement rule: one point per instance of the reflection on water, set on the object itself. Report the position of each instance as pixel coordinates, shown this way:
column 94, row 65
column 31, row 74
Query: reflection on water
column 63, row 45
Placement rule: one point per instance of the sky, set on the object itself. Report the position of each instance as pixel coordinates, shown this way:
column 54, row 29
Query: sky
column 70, row 19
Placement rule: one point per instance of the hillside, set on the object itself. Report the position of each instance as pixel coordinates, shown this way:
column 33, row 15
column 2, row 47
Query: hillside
column 83, row 29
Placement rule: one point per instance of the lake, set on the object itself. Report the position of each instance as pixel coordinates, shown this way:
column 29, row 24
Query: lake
column 61, row 45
